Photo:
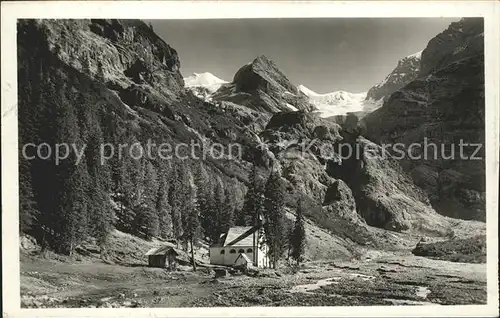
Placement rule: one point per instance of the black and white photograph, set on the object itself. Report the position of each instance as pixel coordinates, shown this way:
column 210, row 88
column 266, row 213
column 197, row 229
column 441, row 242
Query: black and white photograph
column 262, row 162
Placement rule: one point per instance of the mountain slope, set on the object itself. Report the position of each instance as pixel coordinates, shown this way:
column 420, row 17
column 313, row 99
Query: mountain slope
column 406, row 71
column 261, row 86
column 358, row 185
column 122, row 94
column 443, row 106
column 80, row 84
column 115, row 82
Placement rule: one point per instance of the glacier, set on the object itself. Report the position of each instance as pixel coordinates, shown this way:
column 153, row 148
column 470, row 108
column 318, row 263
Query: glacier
column 339, row 102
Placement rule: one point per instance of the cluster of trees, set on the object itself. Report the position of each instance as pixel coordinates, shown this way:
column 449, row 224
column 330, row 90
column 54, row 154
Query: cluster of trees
column 267, row 199
column 62, row 204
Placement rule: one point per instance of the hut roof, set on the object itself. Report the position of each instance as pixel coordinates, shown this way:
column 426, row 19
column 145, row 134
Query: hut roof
column 239, row 236
column 164, row 249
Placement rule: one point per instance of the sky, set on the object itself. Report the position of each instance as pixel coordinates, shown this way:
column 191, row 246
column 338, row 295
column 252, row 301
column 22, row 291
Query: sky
column 323, row 54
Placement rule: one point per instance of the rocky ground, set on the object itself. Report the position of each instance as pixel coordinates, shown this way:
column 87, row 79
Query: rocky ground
column 379, row 278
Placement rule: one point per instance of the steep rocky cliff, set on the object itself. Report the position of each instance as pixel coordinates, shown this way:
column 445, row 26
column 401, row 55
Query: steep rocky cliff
column 440, row 109
column 406, row 71
column 358, row 183
column 126, row 55
column 460, row 40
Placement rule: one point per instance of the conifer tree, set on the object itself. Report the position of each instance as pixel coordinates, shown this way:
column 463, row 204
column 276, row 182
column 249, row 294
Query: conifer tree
column 146, row 219
column 191, row 222
column 149, row 184
column 73, row 209
column 28, row 212
column 71, row 223
column 56, row 206
column 254, row 200
column 45, row 171
column 146, row 222
column 100, row 212
column 132, row 185
column 218, row 206
column 226, row 219
column 239, row 217
column 274, row 214
column 298, row 235
column 206, row 205
column 118, row 179
column 178, row 196
column 129, row 171
column 163, row 210
column 237, row 190
column 191, row 229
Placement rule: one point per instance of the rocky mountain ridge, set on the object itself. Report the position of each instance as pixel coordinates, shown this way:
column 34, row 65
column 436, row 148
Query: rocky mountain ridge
column 133, row 80
column 261, row 86
column 461, row 40
column 406, row 71
column 443, row 106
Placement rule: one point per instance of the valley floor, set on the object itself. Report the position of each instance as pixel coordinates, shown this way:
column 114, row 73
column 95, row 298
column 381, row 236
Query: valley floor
column 383, row 279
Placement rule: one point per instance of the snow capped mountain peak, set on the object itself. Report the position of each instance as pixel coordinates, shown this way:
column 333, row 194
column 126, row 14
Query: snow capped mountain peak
column 204, row 84
column 336, row 103
column 330, row 97
column 307, row 91
column 416, row 55
column 204, row 79
column 406, row 71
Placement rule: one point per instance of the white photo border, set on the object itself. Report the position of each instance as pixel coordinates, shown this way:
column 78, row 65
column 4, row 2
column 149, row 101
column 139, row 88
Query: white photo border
column 11, row 11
